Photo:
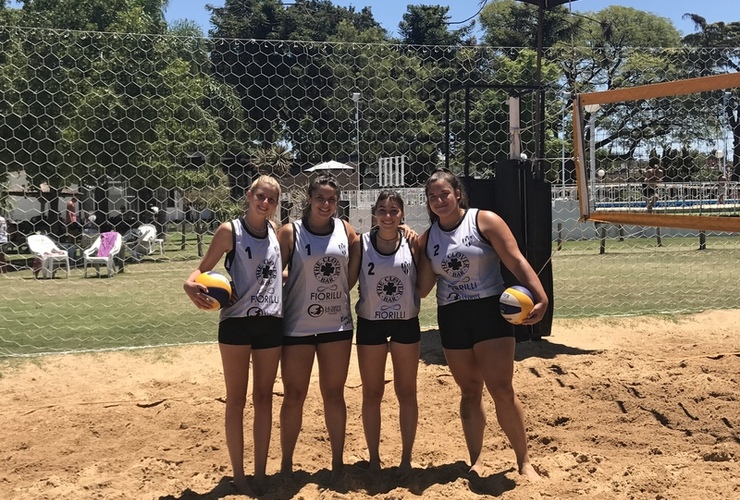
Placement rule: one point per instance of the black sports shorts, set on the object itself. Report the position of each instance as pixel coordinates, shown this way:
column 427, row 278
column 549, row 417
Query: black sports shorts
column 403, row 331
column 261, row 332
column 319, row 338
column 464, row 323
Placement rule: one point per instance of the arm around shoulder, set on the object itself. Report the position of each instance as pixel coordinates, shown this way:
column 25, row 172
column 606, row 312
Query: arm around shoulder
column 354, row 254
column 286, row 238
column 425, row 277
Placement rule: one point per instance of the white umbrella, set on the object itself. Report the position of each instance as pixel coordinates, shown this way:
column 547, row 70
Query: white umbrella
column 329, row 165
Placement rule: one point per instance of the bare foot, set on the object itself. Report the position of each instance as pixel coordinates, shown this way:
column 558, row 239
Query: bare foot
column 286, row 469
column 479, row 469
column 403, row 472
column 529, row 471
column 259, row 485
column 242, row 487
column 374, row 465
column 404, row 467
column 337, row 472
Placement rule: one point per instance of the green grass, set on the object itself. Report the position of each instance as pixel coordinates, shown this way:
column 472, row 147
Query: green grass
column 145, row 305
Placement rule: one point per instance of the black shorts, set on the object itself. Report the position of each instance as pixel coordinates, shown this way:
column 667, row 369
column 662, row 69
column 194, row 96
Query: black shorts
column 319, row 338
column 648, row 190
column 261, row 332
column 403, row 331
column 464, row 323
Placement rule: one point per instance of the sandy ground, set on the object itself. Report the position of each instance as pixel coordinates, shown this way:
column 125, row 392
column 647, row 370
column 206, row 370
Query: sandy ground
column 616, row 408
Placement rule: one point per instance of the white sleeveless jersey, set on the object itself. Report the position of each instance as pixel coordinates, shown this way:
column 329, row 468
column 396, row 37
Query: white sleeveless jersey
column 317, row 288
column 255, row 267
column 387, row 283
column 466, row 265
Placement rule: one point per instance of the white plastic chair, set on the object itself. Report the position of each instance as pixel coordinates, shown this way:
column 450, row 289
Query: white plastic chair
column 92, row 257
column 51, row 256
column 146, row 241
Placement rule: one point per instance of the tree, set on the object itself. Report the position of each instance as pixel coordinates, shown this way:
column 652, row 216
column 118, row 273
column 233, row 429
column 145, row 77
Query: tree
column 718, row 53
column 86, row 108
column 429, row 25
column 275, row 160
column 396, row 113
column 514, row 24
column 279, row 81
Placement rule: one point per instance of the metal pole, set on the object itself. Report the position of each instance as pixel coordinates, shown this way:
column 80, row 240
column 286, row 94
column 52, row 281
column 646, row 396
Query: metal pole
column 562, row 158
column 357, row 138
column 592, row 153
column 356, row 97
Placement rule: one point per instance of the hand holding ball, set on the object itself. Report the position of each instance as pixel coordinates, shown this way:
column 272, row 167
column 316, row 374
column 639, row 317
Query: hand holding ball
column 515, row 304
column 219, row 288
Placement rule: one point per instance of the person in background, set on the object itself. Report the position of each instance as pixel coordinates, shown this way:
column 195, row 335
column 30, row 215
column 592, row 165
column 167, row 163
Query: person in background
column 3, row 241
column 73, row 227
column 160, row 222
column 317, row 253
column 251, row 326
column 461, row 252
column 653, row 177
column 388, row 320
column 71, row 214
column 721, row 188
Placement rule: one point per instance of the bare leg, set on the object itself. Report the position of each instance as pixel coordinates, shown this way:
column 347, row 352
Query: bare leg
column 498, row 372
column 333, row 367
column 264, row 366
column 405, row 368
column 465, row 371
column 235, row 360
column 295, row 368
column 372, row 360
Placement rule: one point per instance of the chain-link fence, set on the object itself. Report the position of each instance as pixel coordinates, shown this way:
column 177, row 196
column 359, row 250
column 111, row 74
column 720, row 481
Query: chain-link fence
column 158, row 137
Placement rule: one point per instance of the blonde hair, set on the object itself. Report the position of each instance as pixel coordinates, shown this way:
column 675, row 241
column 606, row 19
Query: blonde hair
column 267, row 181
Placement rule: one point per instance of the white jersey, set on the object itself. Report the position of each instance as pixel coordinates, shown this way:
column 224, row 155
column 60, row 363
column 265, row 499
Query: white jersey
column 3, row 230
column 387, row 282
column 255, row 267
column 466, row 265
column 317, row 288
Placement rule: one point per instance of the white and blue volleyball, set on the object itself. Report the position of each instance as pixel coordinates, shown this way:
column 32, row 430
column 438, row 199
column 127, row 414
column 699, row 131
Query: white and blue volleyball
column 515, row 304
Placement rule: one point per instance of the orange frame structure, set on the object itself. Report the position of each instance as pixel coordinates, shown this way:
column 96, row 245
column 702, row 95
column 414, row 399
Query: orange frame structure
column 678, row 87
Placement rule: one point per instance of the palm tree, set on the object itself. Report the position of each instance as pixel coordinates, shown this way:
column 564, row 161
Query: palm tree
column 274, row 160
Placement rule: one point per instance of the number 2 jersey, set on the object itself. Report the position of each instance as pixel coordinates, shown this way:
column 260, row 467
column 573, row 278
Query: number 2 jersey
column 317, row 288
column 387, row 283
column 255, row 267
column 466, row 265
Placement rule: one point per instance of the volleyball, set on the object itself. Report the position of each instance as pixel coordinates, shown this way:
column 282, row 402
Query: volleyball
column 515, row 304
column 219, row 288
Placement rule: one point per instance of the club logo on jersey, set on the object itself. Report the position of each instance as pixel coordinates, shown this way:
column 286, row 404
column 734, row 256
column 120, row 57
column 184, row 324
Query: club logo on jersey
column 327, row 269
column 255, row 311
column 315, row 310
column 455, row 264
column 406, row 267
column 389, row 289
column 266, row 272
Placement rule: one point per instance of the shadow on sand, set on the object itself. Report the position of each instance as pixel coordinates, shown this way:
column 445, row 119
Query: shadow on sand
column 357, row 479
column 432, row 353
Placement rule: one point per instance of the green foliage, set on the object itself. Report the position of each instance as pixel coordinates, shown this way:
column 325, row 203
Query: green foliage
column 514, row 24
column 275, row 160
column 429, row 25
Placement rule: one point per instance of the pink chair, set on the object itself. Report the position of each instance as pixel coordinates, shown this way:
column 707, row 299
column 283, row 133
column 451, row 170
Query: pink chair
column 103, row 251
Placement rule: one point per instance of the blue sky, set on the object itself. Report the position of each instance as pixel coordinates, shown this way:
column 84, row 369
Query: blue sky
column 390, row 12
